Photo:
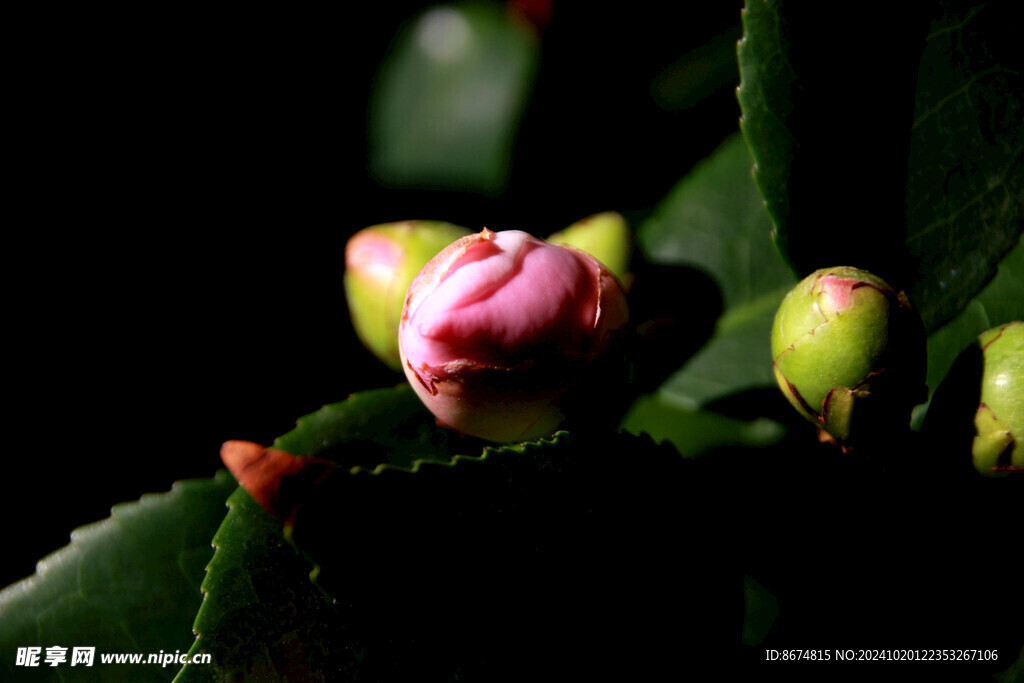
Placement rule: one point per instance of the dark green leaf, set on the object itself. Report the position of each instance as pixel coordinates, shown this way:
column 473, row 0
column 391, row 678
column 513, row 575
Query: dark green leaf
column 128, row 584
column 965, row 193
column 762, row 609
column 714, row 219
column 738, row 357
column 828, row 123
column 440, row 568
column 904, row 159
column 370, row 428
column 693, row 431
column 1001, row 301
column 449, row 99
column 262, row 618
column 768, row 91
column 540, row 554
column 1015, row 672
column 261, row 607
column 698, row 74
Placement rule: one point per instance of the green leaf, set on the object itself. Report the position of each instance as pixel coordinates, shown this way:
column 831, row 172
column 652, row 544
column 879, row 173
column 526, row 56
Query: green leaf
column 768, row 90
column 695, row 432
column 761, row 611
column 738, row 358
column 522, row 556
column 127, row 584
column 1001, row 301
column 926, row 190
column 261, row 607
column 449, row 99
column 437, row 567
column 1014, row 673
column 371, row 428
column 262, row 618
column 714, row 219
column 698, row 74
column 830, row 159
column 965, row 193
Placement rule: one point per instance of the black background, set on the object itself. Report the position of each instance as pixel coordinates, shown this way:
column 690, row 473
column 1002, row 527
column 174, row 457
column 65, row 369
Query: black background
column 184, row 185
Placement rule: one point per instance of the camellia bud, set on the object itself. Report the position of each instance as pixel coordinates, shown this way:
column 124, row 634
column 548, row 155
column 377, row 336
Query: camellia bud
column 849, row 353
column 605, row 236
column 502, row 332
column 997, row 447
column 380, row 262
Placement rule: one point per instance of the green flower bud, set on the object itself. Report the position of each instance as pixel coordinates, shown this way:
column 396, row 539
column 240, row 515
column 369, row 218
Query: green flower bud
column 380, row 262
column 605, row 236
column 997, row 449
column 849, row 353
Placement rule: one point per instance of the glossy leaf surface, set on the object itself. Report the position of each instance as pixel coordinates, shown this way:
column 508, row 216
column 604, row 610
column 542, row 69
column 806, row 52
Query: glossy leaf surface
column 965, row 192
column 912, row 169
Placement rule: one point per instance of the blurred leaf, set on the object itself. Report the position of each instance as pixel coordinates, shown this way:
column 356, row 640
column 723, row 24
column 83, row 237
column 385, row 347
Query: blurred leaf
column 694, row 432
column 965, row 194
column 946, row 161
column 1015, row 672
column 761, row 611
column 737, row 358
column 449, row 98
column 698, row 74
column 127, row 584
column 1001, row 301
column 714, row 219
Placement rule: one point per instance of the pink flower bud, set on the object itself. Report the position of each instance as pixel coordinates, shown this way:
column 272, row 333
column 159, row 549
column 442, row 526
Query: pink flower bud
column 500, row 331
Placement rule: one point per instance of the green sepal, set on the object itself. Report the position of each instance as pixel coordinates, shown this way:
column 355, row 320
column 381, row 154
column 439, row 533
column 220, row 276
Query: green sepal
column 605, row 236
column 380, row 263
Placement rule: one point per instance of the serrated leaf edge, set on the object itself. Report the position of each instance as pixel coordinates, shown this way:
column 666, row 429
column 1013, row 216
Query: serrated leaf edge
column 555, row 439
column 81, row 534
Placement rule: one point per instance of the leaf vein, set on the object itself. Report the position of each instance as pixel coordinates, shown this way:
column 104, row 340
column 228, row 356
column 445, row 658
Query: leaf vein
column 962, row 90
